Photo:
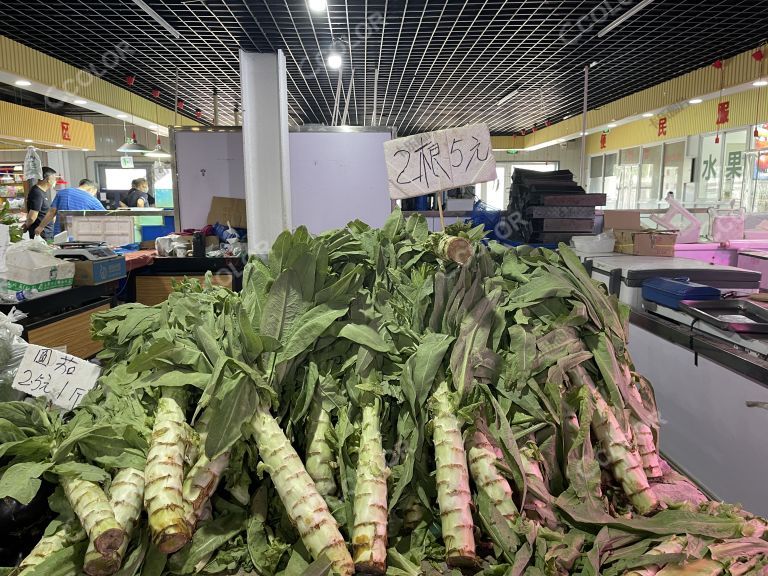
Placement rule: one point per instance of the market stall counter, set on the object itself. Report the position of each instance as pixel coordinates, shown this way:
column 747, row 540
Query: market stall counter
column 151, row 283
column 710, row 392
column 62, row 320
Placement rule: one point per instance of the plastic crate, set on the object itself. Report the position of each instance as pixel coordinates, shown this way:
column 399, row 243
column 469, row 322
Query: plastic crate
column 114, row 230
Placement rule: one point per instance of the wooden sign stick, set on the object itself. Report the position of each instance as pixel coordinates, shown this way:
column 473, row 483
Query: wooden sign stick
column 440, row 209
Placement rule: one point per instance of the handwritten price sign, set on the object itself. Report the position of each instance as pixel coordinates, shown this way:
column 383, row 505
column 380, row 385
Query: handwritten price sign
column 64, row 379
column 441, row 160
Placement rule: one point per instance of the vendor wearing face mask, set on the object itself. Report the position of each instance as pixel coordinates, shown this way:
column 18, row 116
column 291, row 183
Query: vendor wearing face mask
column 138, row 197
column 38, row 204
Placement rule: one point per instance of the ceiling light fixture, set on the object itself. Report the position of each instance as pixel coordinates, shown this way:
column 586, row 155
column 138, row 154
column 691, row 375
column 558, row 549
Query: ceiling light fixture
column 612, row 125
column 131, row 145
column 334, row 60
column 760, row 83
column 695, row 101
column 122, row 116
column 157, row 151
column 23, row 83
column 317, row 5
column 623, row 18
column 508, row 97
column 566, row 117
column 80, row 102
column 157, row 18
column 59, row 145
column 84, row 149
column 28, row 141
column 648, row 115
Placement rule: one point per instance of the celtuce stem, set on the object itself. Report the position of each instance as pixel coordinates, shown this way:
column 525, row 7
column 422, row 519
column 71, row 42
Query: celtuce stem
column 454, row 248
column 319, row 453
column 126, row 498
column 63, row 537
column 163, row 497
column 200, row 484
column 305, row 506
column 453, row 495
column 625, row 462
column 539, row 508
column 203, row 478
column 672, row 546
column 369, row 537
column 95, row 513
column 482, row 457
column 647, row 449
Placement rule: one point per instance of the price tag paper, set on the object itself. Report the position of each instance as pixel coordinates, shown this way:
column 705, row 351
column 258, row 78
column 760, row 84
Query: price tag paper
column 433, row 161
column 62, row 378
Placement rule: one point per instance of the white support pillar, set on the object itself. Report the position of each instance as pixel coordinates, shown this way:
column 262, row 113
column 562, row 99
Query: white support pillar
column 265, row 148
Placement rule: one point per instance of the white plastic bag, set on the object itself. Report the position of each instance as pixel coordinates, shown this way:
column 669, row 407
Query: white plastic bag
column 12, row 348
column 33, row 166
column 726, row 225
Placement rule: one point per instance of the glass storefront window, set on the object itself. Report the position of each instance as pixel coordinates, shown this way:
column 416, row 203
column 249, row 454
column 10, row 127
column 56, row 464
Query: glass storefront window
column 733, row 165
column 596, row 175
column 650, row 173
column 710, row 169
column 610, row 185
column 672, row 178
column 628, row 178
column 756, row 172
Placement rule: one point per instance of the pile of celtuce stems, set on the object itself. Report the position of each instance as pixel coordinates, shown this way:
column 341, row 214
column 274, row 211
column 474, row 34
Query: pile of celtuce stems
column 375, row 402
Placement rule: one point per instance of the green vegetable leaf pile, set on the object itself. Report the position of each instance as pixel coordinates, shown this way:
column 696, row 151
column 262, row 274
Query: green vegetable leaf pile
column 378, row 401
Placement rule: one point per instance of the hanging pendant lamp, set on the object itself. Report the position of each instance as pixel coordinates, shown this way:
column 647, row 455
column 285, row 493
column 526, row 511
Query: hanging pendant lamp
column 158, row 151
column 131, row 146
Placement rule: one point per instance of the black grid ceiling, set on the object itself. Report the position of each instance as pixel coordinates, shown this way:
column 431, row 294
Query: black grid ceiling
column 440, row 63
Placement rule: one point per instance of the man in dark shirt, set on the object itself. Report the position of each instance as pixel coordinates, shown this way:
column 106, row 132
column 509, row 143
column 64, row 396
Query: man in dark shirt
column 138, row 197
column 38, row 204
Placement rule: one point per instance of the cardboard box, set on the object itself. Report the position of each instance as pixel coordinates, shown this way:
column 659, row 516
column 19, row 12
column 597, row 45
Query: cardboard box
column 645, row 242
column 632, row 238
column 31, row 271
column 92, row 273
column 225, row 210
column 621, row 220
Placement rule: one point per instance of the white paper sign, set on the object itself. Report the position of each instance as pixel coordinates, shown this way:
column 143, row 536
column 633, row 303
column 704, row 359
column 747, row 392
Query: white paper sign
column 62, row 378
column 126, row 161
column 441, row 160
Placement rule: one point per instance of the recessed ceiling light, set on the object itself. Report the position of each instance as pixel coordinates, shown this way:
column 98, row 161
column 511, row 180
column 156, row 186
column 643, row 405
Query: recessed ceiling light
column 648, row 115
column 23, row 83
column 28, row 141
column 612, row 125
column 334, row 61
column 59, row 145
column 317, row 5
column 80, row 102
column 122, row 116
column 760, row 83
column 695, row 101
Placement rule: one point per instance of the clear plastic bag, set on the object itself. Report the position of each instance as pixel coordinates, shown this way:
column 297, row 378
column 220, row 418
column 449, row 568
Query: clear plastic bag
column 12, row 349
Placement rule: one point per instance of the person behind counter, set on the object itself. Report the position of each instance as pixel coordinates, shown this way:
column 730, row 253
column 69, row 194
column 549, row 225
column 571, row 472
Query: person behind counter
column 81, row 198
column 139, row 196
column 38, row 205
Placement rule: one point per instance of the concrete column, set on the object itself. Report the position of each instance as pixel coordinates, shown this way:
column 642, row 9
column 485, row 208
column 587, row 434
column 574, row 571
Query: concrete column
column 265, row 148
